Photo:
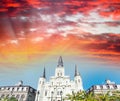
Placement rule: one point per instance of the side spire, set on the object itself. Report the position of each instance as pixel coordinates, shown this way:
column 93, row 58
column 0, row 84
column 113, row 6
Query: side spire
column 44, row 74
column 76, row 71
column 60, row 62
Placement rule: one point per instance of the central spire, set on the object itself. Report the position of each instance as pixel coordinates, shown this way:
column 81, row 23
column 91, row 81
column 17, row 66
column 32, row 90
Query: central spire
column 60, row 62
column 44, row 75
column 76, row 71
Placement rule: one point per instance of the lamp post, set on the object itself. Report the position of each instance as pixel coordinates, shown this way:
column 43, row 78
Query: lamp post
column 61, row 94
column 52, row 96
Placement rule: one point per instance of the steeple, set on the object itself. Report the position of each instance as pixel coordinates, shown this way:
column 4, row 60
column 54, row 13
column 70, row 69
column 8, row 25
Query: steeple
column 60, row 62
column 44, row 75
column 76, row 71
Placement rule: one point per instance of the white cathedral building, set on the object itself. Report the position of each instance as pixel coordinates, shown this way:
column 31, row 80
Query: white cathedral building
column 59, row 85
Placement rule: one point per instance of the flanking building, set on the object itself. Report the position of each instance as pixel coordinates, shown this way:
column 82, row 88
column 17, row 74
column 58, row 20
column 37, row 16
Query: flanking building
column 109, row 87
column 19, row 91
column 59, row 85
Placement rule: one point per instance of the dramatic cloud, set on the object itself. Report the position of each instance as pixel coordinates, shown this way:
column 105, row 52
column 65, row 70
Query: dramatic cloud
column 105, row 46
column 36, row 27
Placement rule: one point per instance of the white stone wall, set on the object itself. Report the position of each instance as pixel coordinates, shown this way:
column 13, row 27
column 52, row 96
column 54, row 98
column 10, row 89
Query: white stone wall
column 52, row 90
column 105, row 88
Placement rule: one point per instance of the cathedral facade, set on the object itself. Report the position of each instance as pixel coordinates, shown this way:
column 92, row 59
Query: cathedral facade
column 59, row 85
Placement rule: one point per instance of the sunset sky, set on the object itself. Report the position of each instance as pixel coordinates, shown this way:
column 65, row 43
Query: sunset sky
column 34, row 33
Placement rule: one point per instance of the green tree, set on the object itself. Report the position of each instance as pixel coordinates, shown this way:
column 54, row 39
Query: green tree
column 8, row 99
column 12, row 99
column 4, row 99
column 83, row 96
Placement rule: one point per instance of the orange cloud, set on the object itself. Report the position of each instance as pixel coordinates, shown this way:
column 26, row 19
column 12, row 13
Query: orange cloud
column 32, row 24
column 105, row 46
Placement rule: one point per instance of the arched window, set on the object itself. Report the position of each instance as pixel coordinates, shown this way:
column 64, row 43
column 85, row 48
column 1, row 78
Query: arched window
column 22, row 97
column 17, row 96
column 58, row 93
column 61, row 74
column 45, row 93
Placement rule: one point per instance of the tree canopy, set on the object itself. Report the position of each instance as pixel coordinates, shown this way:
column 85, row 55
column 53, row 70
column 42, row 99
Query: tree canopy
column 82, row 96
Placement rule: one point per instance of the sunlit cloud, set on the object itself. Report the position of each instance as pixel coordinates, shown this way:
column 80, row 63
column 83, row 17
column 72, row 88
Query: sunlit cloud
column 52, row 27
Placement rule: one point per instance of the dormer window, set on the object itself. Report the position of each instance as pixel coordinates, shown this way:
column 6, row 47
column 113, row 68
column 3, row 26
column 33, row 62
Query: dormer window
column 115, row 86
column 101, row 87
column 108, row 86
